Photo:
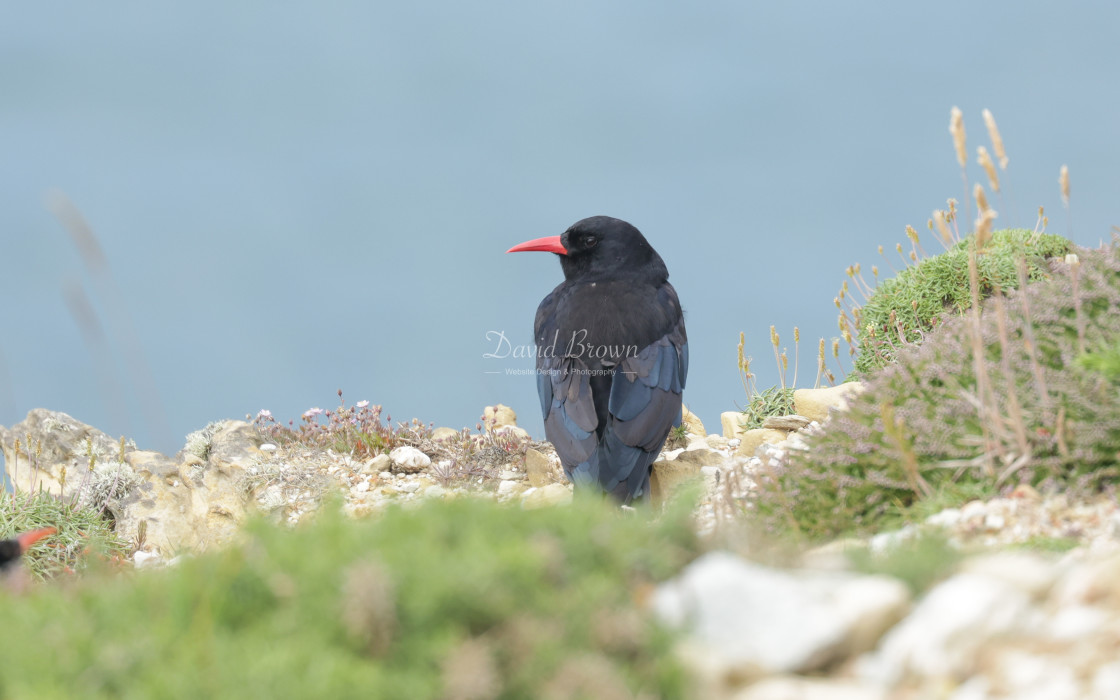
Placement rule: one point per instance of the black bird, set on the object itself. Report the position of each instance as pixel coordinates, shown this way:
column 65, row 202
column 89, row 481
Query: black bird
column 11, row 550
column 612, row 356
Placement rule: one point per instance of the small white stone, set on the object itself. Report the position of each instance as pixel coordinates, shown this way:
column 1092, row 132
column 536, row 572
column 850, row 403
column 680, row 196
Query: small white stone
column 410, row 487
column 142, row 559
column 268, row 447
column 506, row 487
column 994, row 521
column 974, row 510
column 435, row 491
column 362, row 487
column 409, row 459
column 946, row 518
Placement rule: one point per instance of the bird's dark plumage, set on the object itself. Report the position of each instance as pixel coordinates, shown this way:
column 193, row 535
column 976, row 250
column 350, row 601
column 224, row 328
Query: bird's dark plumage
column 612, row 356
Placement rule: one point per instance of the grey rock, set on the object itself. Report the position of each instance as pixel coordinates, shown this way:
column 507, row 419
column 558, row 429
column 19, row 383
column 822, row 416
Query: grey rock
column 790, row 422
column 752, row 620
column 941, row 638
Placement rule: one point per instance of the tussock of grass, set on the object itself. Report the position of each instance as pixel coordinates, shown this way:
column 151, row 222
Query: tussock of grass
column 775, row 401
column 446, row 600
column 81, row 529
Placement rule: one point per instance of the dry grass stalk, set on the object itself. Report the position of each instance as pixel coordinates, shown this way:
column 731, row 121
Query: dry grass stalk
column 1040, row 225
column 1063, row 182
column 820, row 364
column 989, row 167
column 981, row 198
column 983, row 382
column 745, row 368
column 1075, row 278
column 895, row 431
column 775, row 341
column 956, row 128
column 943, row 228
column 1014, row 408
column 997, row 141
column 1032, row 348
column 796, row 352
column 984, row 228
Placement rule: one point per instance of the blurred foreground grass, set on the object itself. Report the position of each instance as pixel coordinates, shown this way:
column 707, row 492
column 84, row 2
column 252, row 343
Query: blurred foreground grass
column 461, row 599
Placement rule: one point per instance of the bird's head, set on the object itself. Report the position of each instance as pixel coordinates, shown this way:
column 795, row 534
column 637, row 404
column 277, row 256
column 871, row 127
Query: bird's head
column 600, row 247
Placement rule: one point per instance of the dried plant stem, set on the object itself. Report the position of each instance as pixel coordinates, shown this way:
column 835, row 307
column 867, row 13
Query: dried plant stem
column 895, row 431
column 1075, row 279
column 956, row 129
column 979, row 365
column 820, row 364
column 796, row 352
column 1014, row 408
column 1028, row 329
column 1063, row 184
column 775, row 341
column 1001, row 155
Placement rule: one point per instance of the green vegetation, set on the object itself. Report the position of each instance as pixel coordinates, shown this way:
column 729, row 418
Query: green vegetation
column 904, row 309
column 774, row 401
column 919, row 562
column 80, row 529
column 1048, row 544
column 450, row 600
column 976, row 409
column 1105, row 362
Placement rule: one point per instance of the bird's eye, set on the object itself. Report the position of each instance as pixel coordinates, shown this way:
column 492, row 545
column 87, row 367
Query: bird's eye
column 590, row 242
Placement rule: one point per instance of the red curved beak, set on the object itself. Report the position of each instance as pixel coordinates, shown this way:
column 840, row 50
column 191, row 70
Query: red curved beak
column 29, row 538
column 550, row 244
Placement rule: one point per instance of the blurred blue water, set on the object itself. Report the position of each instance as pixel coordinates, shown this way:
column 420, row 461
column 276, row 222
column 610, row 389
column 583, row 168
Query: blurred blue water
column 298, row 199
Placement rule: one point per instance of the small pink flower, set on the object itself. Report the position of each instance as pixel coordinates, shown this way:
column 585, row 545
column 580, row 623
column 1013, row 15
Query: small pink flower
column 362, row 404
column 264, row 413
column 312, row 412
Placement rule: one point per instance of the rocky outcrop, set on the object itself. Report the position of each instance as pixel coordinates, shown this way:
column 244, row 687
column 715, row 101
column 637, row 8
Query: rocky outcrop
column 188, row 502
column 748, row 621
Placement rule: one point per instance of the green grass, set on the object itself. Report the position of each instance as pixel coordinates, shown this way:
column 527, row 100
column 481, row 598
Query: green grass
column 422, row 603
column 80, row 530
column 1041, row 543
column 918, row 562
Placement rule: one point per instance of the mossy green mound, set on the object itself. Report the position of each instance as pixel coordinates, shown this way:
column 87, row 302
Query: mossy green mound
column 452, row 599
column 925, row 295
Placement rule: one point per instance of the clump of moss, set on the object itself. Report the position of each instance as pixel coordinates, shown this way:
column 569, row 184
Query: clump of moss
column 942, row 424
column 412, row 605
column 904, row 309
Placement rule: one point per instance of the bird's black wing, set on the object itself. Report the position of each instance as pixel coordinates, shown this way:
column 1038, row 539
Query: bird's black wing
column 609, row 419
